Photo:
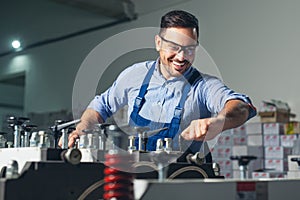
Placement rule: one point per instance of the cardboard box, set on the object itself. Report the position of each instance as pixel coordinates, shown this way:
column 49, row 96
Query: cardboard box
column 254, row 128
column 224, row 163
column 239, row 140
column 271, row 140
column 273, row 128
column 271, row 174
column 221, row 152
column 241, row 130
column 275, row 116
column 292, row 127
column 257, row 151
column 277, row 152
column 239, row 150
column 254, row 140
column 280, row 165
column 228, row 174
column 288, row 140
column 225, row 140
column 224, row 152
column 293, row 174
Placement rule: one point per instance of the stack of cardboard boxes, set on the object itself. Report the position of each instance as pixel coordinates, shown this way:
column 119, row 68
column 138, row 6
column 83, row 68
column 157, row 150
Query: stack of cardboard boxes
column 271, row 140
column 277, row 146
column 241, row 141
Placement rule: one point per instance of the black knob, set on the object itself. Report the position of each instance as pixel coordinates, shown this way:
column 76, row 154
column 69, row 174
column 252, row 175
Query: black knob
column 243, row 160
column 28, row 127
column 296, row 159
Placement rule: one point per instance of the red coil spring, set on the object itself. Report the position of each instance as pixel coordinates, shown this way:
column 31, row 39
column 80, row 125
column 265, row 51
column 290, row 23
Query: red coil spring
column 118, row 180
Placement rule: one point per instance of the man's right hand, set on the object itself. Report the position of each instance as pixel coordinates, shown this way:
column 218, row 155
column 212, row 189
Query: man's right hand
column 89, row 118
column 71, row 139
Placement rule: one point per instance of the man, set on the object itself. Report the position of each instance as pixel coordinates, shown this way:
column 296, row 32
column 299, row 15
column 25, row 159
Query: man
column 170, row 93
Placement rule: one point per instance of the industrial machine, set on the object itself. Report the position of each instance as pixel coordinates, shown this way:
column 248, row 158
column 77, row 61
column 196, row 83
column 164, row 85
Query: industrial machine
column 102, row 166
column 99, row 166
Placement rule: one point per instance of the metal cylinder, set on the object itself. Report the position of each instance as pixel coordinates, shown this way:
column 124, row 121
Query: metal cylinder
column 64, row 137
column 216, row 168
column 101, row 142
column 96, row 139
column 26, row 139
column 102, row 135
column 83, row 141
column 34, row 140
column 168, row 147
column 159, row 145
column 131, row 146
column 17, row 136
column 90, row 140
column 42, row 135
column 22, row 144
column 140, row 135
column 243, row 172
column 76, row 146
column 115, row 135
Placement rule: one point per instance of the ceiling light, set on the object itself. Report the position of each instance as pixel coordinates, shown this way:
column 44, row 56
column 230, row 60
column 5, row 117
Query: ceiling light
column 16, row 44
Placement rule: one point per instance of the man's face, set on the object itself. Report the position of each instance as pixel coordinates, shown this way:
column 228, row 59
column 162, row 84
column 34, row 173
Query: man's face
column 176, row 48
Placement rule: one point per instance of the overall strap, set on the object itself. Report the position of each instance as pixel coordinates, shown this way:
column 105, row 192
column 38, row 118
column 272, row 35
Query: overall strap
column 191, row 79
column 175, row 122
column 139, row 99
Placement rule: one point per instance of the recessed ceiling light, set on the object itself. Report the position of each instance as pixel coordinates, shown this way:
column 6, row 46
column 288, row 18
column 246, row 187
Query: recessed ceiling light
column 16, row 44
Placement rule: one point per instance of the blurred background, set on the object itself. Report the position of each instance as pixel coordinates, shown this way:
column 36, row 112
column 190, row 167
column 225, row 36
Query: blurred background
column 254, row 44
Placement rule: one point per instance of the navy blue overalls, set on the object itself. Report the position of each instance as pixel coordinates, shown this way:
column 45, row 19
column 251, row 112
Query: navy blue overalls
column 173, row 126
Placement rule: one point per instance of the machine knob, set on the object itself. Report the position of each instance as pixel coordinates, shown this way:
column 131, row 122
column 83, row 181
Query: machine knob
column 72, row 156
column 243, row 160
column 2, row 140
column 296, row 159
column 12, row 169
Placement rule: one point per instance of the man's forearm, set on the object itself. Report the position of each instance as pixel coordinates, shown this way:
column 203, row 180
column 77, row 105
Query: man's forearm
column 235, row 113
column 89, row 118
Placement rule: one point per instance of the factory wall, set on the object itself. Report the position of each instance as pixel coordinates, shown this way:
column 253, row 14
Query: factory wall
column 254, row 44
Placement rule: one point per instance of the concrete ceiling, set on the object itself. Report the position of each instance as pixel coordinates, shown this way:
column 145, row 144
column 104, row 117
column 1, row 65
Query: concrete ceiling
column 32, row 21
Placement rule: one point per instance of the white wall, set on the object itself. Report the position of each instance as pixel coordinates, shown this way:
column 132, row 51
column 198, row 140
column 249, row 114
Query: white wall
column 255, row 45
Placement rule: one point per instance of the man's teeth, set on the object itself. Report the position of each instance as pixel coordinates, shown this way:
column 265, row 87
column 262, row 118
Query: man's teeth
column 177, row 63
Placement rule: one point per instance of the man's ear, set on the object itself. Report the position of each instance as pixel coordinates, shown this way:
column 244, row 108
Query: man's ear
column 157, row 43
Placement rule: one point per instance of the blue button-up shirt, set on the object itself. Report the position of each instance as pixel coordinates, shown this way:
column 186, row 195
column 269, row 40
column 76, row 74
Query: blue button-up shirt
column 205, row 99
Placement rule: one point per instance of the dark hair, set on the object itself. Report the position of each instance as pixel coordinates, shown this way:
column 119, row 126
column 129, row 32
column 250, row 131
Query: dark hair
column 179, row 18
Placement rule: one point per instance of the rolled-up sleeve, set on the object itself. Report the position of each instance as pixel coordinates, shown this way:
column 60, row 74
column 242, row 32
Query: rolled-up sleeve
column 101, row 105
column 216, row 94
column 117, row 96
column 112, row 99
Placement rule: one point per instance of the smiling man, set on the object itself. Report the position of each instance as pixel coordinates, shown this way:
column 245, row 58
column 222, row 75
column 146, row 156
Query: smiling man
column 170, row 92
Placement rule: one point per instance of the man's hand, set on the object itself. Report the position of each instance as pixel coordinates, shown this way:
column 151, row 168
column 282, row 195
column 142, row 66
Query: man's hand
column 89, row 118
column 234, row 114
column 203, row 129
column 71, row 139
